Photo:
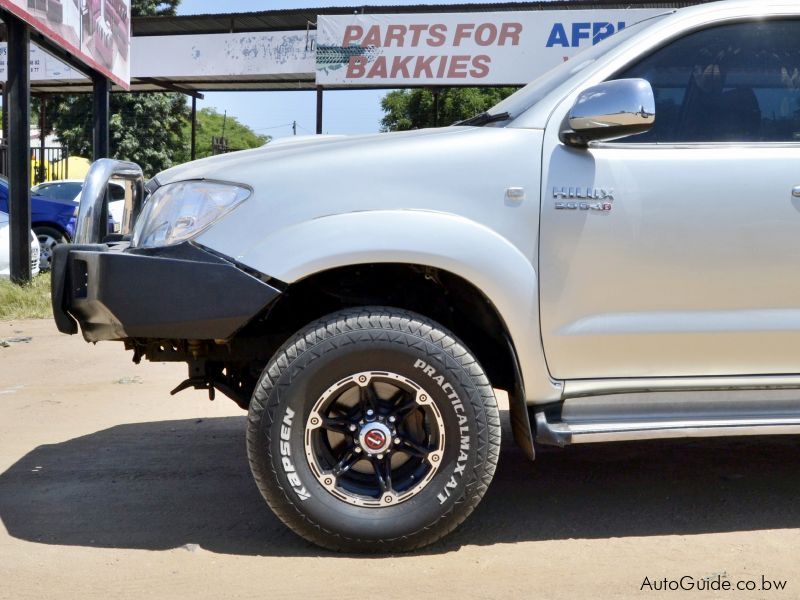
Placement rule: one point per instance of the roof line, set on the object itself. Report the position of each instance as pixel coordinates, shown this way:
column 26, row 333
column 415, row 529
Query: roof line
column 300, row 18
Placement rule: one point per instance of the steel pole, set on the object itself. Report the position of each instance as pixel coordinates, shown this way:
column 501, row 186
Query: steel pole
column 194, row 128
column 319, row 109
column 102, row 93
column 41, row 176
column 5, row 117
column 19, row 151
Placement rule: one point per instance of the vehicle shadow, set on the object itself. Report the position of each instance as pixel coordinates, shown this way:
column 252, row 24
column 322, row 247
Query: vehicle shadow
column 165, row 484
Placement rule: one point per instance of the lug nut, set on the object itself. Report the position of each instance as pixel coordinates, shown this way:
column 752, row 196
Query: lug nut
column 392, row 419
column 370, row 412
column 397, row 441
column 357, row 449
column 353, row 427
column 380, row 457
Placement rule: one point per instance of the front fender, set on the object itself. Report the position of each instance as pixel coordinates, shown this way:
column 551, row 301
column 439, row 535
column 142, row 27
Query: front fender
column 441, row 240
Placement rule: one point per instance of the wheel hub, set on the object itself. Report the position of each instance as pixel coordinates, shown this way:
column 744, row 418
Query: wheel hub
column 374, row 439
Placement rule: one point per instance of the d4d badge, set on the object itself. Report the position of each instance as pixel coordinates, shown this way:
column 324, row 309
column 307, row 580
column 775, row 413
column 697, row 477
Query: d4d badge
column 579, row 198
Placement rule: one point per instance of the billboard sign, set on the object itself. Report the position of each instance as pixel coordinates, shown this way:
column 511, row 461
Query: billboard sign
column 491, row 48
column 228, row 55
column 44, row 67
column 97, row 32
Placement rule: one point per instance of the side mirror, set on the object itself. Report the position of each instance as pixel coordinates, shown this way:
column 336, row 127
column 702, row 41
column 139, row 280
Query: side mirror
column 608, row 111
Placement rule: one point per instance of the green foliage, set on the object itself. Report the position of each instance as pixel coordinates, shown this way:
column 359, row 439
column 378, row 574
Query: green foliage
column 144, row 8
column 145, row 128
column 30, row 301
column 414, row 109
column 210, row 123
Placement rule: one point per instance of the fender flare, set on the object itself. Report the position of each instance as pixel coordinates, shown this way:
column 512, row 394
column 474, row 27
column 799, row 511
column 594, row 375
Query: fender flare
column 445, row 241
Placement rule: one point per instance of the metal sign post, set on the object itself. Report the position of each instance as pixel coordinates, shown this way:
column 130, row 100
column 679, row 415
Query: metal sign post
column 319, row 109
column 19, row 152
column 100, row 114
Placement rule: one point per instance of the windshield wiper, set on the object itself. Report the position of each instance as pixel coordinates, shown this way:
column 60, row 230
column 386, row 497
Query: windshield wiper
column 484, row 118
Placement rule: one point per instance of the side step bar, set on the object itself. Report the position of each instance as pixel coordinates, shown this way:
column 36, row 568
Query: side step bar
column 563, row 433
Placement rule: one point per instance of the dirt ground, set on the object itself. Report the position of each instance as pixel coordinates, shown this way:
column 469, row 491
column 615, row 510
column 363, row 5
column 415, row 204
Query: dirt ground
column 111, row 488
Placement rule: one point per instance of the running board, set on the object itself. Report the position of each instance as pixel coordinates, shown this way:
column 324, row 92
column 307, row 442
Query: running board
column 563, row 434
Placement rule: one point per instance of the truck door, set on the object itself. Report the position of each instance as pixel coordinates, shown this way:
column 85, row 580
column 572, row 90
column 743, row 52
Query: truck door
column 695, row 270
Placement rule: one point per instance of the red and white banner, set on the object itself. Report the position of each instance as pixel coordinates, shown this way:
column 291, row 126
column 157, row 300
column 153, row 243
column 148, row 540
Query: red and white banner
column 491, row 48
column 97, row 32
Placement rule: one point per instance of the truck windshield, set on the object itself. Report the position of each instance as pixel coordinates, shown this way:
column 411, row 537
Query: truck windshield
column 532, row 93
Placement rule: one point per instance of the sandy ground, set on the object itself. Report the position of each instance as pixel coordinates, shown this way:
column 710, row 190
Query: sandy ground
column 111, row 488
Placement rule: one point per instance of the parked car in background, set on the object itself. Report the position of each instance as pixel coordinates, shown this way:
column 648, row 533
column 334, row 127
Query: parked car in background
column 52, row 220
column 64, row 189
column 116, row 205
column 5, row 249
column 54, row 208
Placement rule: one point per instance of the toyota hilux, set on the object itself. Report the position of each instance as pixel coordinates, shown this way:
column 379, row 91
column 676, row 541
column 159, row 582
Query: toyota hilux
column 615, row 245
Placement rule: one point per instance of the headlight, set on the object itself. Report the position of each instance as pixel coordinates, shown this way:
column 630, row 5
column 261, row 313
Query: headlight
column 178, row 211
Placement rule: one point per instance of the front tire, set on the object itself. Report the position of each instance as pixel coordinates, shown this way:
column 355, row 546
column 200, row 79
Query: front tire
column 373, row 429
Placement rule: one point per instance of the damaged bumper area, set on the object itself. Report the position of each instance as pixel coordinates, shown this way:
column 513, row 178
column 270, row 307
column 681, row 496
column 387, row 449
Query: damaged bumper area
column 176, row 292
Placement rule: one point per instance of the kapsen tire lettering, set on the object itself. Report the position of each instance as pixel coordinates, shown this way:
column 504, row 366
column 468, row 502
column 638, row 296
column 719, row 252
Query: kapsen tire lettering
column 373, row 429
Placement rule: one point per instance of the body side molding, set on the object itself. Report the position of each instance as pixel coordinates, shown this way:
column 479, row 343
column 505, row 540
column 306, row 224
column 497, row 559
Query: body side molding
column 600, row 387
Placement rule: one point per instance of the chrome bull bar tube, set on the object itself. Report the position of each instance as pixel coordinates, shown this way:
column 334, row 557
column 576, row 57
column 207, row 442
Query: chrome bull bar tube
column 92, row 225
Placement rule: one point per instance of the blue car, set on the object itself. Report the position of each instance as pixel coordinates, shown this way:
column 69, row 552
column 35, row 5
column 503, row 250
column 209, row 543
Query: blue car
column 52, row 220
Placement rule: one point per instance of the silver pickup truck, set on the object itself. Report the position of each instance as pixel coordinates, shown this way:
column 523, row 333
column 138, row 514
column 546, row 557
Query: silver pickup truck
column 617, row 246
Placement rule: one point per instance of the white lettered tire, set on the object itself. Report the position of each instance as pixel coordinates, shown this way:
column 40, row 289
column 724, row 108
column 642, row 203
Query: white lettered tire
column 373, row 429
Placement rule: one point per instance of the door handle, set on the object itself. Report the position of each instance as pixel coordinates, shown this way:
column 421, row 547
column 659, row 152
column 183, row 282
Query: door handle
column 796, row 191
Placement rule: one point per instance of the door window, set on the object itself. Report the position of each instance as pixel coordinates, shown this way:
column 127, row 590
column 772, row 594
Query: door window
column 737, row 82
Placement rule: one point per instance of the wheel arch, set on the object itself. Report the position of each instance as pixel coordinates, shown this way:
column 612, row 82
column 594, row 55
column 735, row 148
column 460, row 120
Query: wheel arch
column 51, row 225
column 487, row 278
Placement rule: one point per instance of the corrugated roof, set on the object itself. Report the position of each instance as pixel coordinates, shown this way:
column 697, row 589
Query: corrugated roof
column 299, row 18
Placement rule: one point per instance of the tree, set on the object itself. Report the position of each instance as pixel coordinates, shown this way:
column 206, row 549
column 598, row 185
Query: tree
column 414, row 109
column 148, row 8
column 146, row 128
column 211, row 123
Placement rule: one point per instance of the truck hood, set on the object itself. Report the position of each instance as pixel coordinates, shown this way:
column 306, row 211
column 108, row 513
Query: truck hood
column 288, row 148
column 460, row 170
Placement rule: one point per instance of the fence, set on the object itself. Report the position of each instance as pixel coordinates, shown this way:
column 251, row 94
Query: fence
column 53, row 167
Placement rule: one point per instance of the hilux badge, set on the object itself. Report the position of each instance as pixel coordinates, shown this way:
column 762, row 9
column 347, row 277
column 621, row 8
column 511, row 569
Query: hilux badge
column 583, row 198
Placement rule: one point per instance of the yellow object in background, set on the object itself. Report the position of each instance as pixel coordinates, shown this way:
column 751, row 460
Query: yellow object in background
column 35, row 171
column 76, row 167
column 73, row 167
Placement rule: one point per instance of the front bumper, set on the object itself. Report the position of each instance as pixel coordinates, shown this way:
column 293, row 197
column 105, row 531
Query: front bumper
column 174, row 292
column 178, row 292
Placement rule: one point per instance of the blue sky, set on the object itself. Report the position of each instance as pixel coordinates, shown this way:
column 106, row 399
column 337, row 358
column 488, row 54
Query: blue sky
column 272, row 113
